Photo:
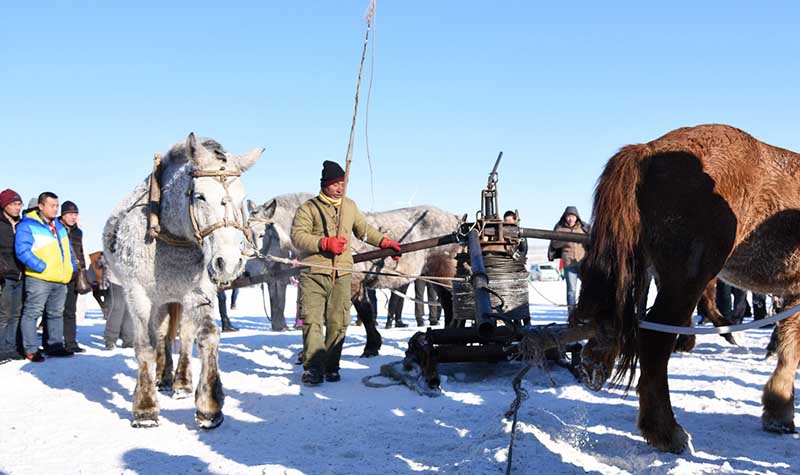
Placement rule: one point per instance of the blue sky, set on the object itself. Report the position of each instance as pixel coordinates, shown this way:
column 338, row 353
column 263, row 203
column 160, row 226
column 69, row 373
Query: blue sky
column 90, row 90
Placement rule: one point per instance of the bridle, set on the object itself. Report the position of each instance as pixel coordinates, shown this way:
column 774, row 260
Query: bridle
column 229, row 220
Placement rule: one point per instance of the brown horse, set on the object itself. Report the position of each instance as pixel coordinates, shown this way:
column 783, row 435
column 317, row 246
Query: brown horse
column 695, row 203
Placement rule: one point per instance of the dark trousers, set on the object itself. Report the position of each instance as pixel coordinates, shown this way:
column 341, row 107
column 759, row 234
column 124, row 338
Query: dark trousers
column 70, row 319
column 234, row 296
column 759, row 306
column 10, row 313
column 277, row 303
column 735, row 312
column 433, row 297
column 70, row 324
column 396, row 305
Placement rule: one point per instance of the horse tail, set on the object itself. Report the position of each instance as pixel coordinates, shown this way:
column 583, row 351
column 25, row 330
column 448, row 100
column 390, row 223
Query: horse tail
column 614, row 271
column 175, row 311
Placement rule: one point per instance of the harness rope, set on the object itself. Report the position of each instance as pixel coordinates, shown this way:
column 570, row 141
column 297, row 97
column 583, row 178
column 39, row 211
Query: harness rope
column 414, row 299
column 660, row 327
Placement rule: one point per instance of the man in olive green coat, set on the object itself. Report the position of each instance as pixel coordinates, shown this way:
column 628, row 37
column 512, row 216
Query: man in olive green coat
column 325, row 293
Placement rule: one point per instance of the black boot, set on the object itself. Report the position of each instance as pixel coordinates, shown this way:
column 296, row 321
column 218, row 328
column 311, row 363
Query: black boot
column 227, row 326
column 399, row 323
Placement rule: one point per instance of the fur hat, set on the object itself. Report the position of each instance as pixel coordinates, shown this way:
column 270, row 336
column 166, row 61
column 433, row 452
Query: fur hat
column 9, row 196
column 331, row 173
column 68, row 207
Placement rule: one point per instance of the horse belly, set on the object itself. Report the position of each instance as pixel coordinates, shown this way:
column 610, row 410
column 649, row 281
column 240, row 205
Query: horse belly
column 768, row 259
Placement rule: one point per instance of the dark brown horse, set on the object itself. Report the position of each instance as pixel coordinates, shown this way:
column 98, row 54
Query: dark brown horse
column 695, row 203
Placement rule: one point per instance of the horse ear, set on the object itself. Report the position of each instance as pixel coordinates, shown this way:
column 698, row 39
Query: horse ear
column 191, row 145
column 269, row 208
column 246, row 160
column 251, row 207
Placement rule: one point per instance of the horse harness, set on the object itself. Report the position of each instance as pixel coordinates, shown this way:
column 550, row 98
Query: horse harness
column 230, row 220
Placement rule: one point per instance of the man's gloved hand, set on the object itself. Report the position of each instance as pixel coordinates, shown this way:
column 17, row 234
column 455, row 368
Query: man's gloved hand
column 333, row 244
column 387, row 243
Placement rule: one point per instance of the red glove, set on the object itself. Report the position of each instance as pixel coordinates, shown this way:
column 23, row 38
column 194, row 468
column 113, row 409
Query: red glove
column 335, row 244
column 387, row 243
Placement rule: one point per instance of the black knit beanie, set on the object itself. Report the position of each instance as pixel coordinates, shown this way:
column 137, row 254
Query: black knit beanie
column 331, row 173
column 68, row 207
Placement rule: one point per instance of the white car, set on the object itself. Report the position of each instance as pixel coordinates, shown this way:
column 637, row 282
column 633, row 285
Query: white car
column 544, row 272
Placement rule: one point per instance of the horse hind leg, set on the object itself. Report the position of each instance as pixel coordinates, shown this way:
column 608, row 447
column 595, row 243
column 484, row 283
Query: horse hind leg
column 183, row 371
column 778, row 396
column 164, row 365
column 209, row 397
column 656, row 419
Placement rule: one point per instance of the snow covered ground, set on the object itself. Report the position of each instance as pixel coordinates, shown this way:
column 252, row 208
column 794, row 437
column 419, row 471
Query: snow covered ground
column 72, row 415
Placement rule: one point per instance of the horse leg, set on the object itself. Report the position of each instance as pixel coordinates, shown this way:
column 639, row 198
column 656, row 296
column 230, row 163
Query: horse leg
column 778, row 396
column 707, row 308
column 656, row 420
column 164, row 368
column 364, row 311
column 183, row 371
column 145, row 401
column 209, row 397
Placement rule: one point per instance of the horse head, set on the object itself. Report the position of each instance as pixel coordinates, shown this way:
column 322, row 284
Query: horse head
column 213, row 215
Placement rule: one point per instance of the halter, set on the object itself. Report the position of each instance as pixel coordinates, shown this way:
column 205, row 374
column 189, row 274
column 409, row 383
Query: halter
column 230, row 220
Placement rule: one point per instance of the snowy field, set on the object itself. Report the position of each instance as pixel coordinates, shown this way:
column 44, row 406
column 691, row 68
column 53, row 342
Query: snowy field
column 72, row 415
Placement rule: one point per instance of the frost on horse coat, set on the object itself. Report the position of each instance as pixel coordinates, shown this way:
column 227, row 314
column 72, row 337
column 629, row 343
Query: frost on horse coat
column 696, row 203
column 161, row 277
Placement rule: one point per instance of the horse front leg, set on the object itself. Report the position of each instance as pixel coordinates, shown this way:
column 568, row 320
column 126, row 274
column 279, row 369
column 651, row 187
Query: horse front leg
column 778, row 396
column 145, row 400
column 209, row 397
column 360, row 301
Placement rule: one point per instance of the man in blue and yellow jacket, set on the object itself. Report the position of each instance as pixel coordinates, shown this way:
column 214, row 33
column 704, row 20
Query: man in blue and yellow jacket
column 42, row 245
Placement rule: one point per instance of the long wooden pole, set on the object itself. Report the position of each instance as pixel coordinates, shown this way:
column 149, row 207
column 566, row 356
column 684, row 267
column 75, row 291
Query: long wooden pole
column 349, row 156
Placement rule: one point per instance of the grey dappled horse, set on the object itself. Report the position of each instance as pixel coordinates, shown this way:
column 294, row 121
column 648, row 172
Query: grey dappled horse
column 404, row 225
column 200, row 245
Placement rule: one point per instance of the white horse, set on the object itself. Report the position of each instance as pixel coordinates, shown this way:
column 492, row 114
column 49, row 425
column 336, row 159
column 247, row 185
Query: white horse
column 200, row 245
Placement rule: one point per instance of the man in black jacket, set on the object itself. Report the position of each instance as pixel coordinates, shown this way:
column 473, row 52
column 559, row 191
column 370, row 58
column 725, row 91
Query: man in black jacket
column 69, row 218
column 11, row 272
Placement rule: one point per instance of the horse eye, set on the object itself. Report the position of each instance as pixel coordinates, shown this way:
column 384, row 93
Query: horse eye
column 199, row 196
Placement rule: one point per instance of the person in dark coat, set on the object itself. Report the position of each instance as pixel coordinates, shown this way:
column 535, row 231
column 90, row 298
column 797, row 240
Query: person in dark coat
column 11, row 272
column 69, row 218
column 570, row 253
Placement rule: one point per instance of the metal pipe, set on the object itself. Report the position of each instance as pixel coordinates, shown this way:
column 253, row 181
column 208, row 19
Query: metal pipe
column 404, row 248
column 480, row 288
column 553, row 235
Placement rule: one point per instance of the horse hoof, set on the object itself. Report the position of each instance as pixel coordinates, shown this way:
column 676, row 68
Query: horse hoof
column 369, row 353
column 777, row 426
column 730, row 339
column 205, row 422
column 685, row 343
column 181, row 393
column 145, row 422
column 164, row 387
column 676, row 444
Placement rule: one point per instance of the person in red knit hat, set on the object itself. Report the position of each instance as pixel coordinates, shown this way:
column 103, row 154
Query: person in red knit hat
column 10, row 276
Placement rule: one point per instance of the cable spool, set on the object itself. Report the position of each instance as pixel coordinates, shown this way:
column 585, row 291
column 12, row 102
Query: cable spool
column 508, row 278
